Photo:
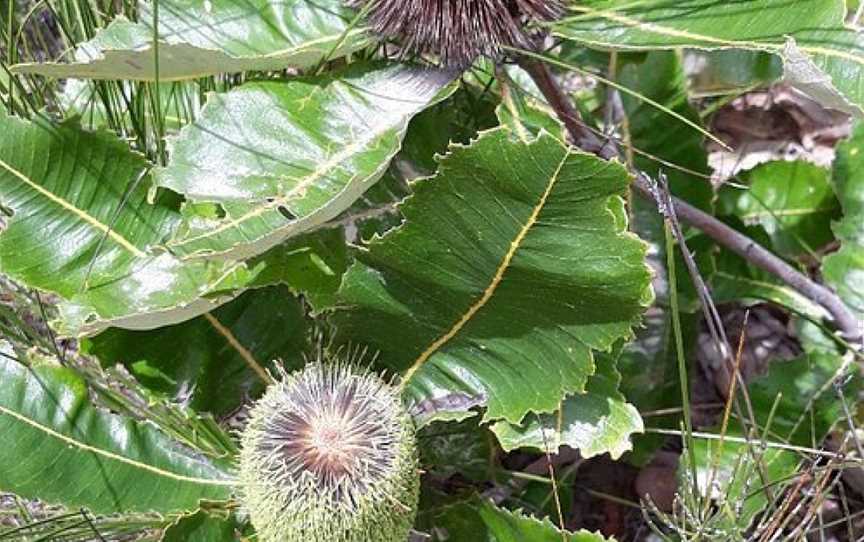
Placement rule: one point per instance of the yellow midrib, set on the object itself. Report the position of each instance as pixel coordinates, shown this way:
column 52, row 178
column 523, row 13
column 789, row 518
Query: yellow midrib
column 110, row 455
column 303, row 184
column 496, row 278
column 238, row 346
column 80, row 213
column 666, row 31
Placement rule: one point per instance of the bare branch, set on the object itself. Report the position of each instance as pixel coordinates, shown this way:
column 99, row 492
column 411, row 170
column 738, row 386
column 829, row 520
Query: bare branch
column 584, row 138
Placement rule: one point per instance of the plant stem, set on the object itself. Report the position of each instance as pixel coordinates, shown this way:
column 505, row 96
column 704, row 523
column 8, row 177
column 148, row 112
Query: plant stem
column 844, row 320
column 760, row 257
column 582, row 136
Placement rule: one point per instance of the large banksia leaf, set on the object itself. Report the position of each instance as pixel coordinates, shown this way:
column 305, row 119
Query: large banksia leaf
column 330, row 454
column 458, row 30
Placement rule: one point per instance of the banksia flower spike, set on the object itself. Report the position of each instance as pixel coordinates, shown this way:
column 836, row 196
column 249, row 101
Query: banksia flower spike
column 458, row 31
column 329, row 455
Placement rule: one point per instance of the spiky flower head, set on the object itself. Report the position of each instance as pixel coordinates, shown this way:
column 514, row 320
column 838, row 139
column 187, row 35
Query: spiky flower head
column 330, row 455
column 458, row 31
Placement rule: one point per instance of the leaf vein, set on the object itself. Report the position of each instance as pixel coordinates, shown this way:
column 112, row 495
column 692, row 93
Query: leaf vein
column 83, row 215
column 110, row 455
column 496, row 279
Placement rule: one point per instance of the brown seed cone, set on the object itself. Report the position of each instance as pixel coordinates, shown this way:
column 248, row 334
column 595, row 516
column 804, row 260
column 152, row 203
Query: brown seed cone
column 458, row 31
column 329, row 455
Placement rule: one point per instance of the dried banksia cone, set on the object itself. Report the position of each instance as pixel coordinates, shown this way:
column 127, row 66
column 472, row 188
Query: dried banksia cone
column 458, row 30
column 330, row 455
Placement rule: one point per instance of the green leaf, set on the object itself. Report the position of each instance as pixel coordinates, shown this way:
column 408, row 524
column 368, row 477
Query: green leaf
column 844, row 270
column 209, row 360
column 524, row 114
column 731, row 71
column 792, row 201
column 61, row 449
column 481, row 521
column 452, row 522
column 198, row 38
column 283, row 157
column 83, row 229
column 808, row 406
column 200, row 527
column 596, row 422
column 661, row 142
column 789, row 206
column 820, row 54
column 507, row 526
column 456, row 119
column 312, row 264
column 599, row 421
column 65, row 184
column 513, row 264
column 735, row 280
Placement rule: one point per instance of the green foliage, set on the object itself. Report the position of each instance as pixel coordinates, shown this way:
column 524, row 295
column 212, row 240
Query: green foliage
column 198, row 361
column 196, row 192
column 660, row 142
column 200, row 527
column 792, row 201
column 196, row 39
column 820, row 54
column 82, row 227
column 794, row 404
column 283, row 157
column 482, row 520
column 595, row 422
column 844, row 270
column 483, row 284
column 64, row 450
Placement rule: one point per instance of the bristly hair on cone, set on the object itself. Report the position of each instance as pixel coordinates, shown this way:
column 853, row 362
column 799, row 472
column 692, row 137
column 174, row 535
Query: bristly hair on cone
column 330, row 453
column 458, row 31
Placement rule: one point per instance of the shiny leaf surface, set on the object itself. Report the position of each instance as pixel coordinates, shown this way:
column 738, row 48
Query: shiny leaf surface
column 63, row 450
column 82, row 227
column 792, row 201
column 821, row 55
column 481, row 521
column 595, row 422
column 206, row 37
column 284, row 157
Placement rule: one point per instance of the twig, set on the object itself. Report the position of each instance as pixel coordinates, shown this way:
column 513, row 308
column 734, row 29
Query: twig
column 582, row 136
column 843, row 319
column 757, row 255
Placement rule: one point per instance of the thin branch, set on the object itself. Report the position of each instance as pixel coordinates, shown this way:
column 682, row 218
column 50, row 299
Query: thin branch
column 582, row 135
column 843, row 319
column 760, row 257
